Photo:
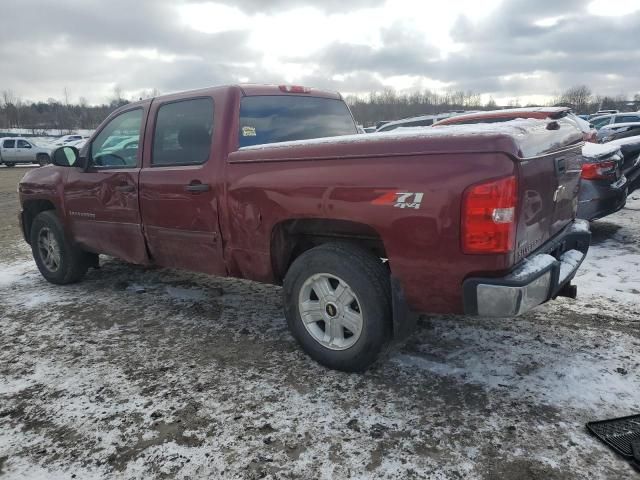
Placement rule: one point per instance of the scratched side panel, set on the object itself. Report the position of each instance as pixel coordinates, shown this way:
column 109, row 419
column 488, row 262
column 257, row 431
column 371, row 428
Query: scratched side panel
column 422, row 244
column 102, row 218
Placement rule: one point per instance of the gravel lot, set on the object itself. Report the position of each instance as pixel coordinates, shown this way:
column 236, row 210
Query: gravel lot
column 153, row 373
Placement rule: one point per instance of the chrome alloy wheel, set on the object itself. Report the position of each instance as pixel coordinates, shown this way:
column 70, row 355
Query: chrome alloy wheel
column 49, row 249
column 330, row 311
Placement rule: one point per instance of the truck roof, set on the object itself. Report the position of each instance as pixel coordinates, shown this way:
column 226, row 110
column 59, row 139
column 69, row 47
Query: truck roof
column 251, row 89
column 248, row 90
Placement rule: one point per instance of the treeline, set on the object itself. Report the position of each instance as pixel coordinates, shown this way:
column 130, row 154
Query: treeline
column 583, row 101
column 368, row 109
column 58, row 114
column 390, row 105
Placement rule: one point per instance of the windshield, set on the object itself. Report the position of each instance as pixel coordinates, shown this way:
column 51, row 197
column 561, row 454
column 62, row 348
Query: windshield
column 279, row 118
column 599, row 122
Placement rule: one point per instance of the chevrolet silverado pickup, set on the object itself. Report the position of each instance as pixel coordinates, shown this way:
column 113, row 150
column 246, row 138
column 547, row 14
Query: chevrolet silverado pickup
column 274, row 184
column 15, row 150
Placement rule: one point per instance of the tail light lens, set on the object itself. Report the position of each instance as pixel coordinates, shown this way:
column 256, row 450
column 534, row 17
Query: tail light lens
column 489, row 216
column 599, row 171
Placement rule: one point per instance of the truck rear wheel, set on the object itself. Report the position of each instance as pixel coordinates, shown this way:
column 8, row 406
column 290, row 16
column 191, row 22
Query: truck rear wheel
column 57, row 259
column 338, row 305
column 10, row 164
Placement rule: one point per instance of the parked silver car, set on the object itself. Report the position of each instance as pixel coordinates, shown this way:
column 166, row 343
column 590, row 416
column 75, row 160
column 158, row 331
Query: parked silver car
column 613, row 131
column 599, row 122
column 15, row 150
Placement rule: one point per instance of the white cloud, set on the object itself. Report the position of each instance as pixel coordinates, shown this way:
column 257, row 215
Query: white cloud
column 613, row 8
column 305, row 30
column 503, row 48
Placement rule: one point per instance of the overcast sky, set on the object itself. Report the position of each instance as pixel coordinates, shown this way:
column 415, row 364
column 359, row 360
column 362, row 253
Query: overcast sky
column 530, row 49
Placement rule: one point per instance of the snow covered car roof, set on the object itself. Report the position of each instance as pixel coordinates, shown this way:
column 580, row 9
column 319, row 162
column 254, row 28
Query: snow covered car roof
column 596, row 150
column 625, row 141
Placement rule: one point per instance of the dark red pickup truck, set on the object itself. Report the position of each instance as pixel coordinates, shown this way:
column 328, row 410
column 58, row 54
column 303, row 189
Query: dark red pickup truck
column 361, row 230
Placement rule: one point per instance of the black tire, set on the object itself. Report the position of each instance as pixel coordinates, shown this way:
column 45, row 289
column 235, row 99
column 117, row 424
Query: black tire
column 43, row 159
column 368, row 278
column 73, row 262
column 10, row 164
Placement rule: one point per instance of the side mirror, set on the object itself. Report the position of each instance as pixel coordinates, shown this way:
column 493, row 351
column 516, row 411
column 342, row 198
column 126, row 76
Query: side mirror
column 66, row 157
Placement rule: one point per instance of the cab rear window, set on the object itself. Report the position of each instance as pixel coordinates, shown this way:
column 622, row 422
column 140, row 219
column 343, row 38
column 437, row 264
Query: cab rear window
column 280, row 118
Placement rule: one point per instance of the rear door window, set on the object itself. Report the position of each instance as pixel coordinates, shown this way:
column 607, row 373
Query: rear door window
column 282, row 118
column 9, row 144
column 183, row 133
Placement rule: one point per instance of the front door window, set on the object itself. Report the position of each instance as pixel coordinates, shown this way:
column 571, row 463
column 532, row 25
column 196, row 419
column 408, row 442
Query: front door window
column 116, row 146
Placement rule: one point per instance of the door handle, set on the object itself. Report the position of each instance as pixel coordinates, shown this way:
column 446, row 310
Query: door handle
column 197, row 187
column 125, row 188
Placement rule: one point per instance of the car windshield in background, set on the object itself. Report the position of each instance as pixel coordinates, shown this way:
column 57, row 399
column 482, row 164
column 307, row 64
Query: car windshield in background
column 279, row 118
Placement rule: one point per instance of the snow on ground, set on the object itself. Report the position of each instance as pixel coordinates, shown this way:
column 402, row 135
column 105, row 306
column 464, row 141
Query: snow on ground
column 48, row 132
column 612, row 267
column 152, row 373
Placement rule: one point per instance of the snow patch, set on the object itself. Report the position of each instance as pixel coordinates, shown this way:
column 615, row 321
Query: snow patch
column 549, row 371
column 569, row 262
column 15, row 273
column 514, row 128
column 532, row 265
column 186, row 294
column 625, row 141
column 596, row 150
column 579, row 226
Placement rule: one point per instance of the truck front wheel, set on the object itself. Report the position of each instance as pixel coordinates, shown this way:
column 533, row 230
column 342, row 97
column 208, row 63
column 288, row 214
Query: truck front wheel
column 57, row 259
column 10, row 164
column 338, row 305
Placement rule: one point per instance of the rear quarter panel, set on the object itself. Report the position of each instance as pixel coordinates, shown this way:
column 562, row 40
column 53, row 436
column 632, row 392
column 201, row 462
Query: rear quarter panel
column 422, row 245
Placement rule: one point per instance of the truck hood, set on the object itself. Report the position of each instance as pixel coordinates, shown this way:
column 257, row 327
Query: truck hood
column 522, row 138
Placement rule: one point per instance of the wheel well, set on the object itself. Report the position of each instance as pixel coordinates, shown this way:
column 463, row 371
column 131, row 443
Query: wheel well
column 292, row 238
column 30, row 210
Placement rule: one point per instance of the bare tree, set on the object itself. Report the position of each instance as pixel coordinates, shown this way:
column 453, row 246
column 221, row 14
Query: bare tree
column 8, row 97
column 579, row 97
column 491, row 104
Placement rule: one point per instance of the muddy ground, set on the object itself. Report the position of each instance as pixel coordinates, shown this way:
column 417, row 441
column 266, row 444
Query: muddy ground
column 153, row 373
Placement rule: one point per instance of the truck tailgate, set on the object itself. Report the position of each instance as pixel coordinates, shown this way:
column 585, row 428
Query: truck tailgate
column 549, row 187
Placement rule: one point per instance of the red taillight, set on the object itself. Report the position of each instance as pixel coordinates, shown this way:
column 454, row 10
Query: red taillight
column 294, row 89
column 489, row 216
column 599, row 171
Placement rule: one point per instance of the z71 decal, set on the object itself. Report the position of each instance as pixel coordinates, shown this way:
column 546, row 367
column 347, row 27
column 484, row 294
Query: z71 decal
column 400, row 199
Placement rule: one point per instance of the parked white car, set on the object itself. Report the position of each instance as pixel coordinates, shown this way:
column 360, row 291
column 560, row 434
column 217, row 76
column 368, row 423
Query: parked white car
column 15, row 150
column 68, row 139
